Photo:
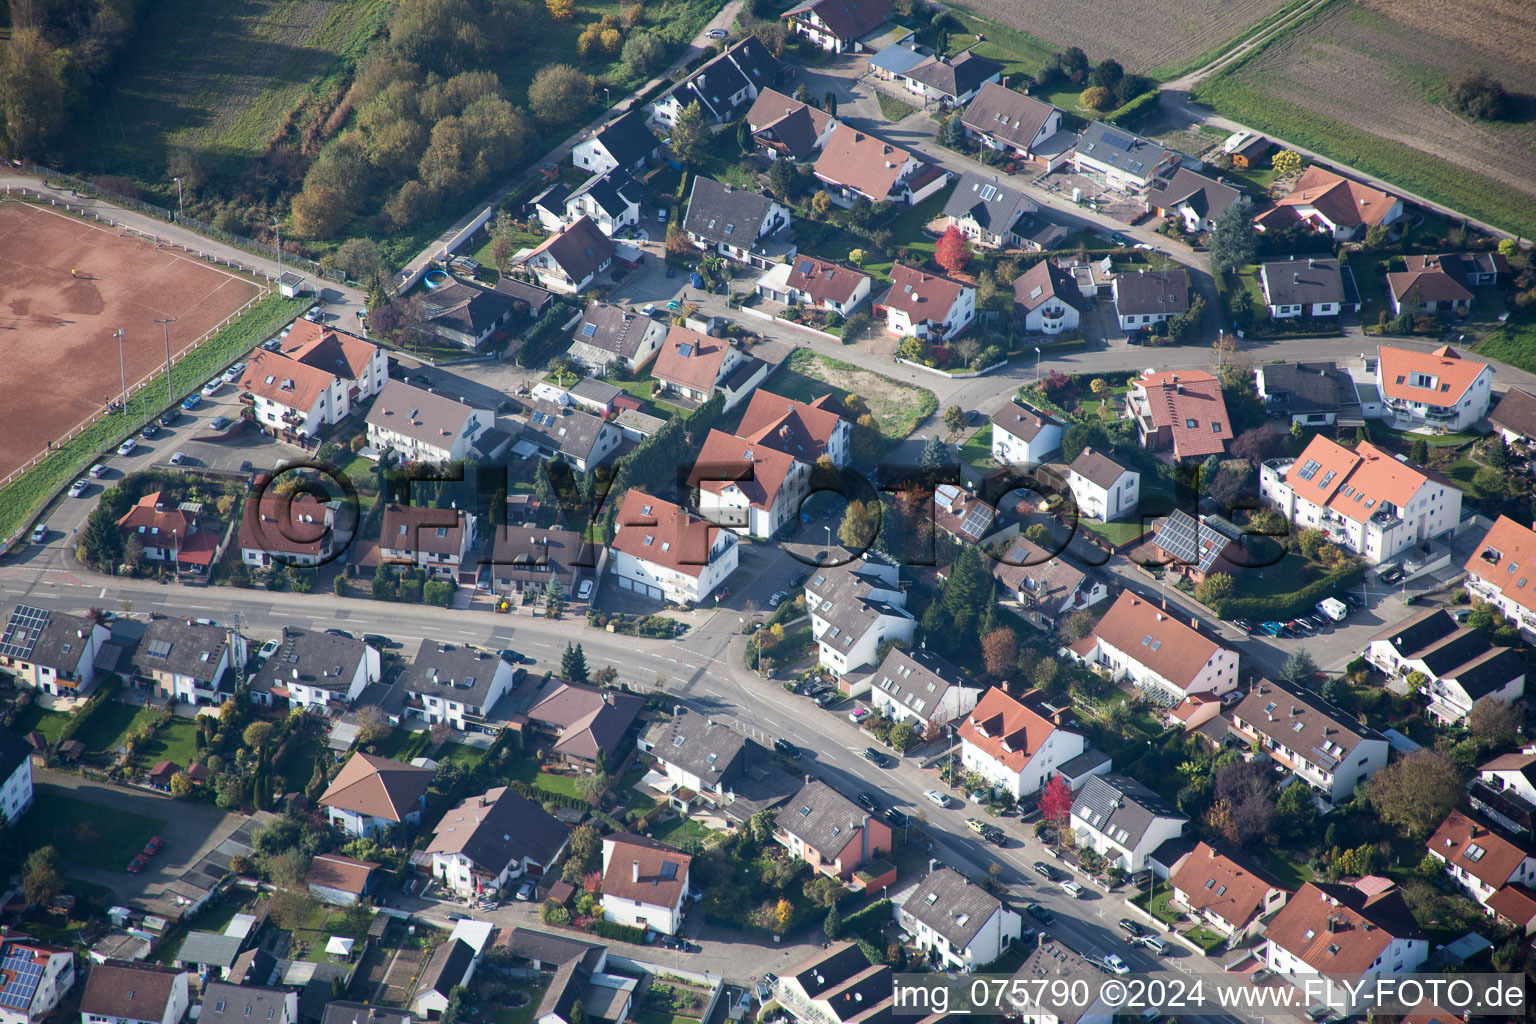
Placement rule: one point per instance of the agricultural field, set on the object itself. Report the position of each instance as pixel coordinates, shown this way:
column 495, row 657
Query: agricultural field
column 1142, row 36
column 1367, row 89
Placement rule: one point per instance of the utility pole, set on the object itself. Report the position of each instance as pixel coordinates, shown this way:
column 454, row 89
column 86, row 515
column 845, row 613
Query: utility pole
column 277, row 226
column 181, row 210
column 166, row 324
column 122, row 367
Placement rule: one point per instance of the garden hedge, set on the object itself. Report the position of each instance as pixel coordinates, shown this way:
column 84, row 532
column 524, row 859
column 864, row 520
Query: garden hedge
column 1285, row 606
column 619, row 932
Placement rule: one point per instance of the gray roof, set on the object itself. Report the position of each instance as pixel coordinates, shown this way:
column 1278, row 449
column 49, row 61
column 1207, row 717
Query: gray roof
column 842, row 596
column 224, row 1003
column 639, row 421
column 498, row 828
column 745, row 63
column 1053, row 963
column 44, row 637
column 951, row 905
column 918, row 677
column 425, row 416
column 466, row 307
column 1321, row 722
column 599, row 391
column 13, row 752
column 898, row 59
column 1516, row 412
column 551, row 199
column 1449, row 650
column 994, row 207
column 313, row 659
column 562, row 429
column 1120, row 807
column 1120, row 149
column 822, row 818
column 1083, row 764
column 179, row 646
column 613, row 191
column 614, row 329
column 698, row 745
column 1206, row 196
column 957, row 77
column 627, row 139
column 1197, row 543
column 534, row 556
column 210, row 948
column 342, row 1011
column 453, row 672
column 1099, row 467
column 1030, row 568
column 725, row 213
column 1293, row 282
column 1041, row 283
column 1151, row 291
column 449, row 963
column 590, row 719
column 1007, row 115
column 548, row 949
column 521, row 291
column 1023, row 420
column 1311, row 387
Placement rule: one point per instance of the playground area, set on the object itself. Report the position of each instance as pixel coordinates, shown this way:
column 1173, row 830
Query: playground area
column 67, row 285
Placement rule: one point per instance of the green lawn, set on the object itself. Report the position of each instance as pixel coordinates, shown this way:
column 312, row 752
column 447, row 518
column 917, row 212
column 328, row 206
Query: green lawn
column 404, row 744
column 522, row 1014
column 662, row 1017
column 527, row 770
column 176, row 742
column 1291, row 873
column 976, row 452
column 891, row 108
column 1204, row 938
column 105, row 732
column 1158, row 906
column 1369, row 274
column 907, row 227
column 462, row 753
column 36, row 718
column 674, row 831
column 56, row 818
column 1514, row 343
column 1121, row 531
column 898, row 407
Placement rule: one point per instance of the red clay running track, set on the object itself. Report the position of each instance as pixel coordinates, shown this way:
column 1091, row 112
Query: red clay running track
column 58, row 359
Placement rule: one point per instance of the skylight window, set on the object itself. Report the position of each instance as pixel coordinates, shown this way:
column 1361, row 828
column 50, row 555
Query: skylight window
column 1475, row 852
column 588, row 330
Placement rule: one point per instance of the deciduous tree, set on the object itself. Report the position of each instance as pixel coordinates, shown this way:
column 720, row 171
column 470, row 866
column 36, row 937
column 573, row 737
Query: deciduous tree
column 560, row 10
column 1095, row 97
column 1287, row 162
column 953, row 251
column 1056, row 799
column 1000, row 649
column 1416, row 791
column 558, row 92
column 1495, row 723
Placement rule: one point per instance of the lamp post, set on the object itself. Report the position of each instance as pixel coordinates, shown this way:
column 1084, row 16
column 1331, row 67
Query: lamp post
column 829, row 542
column 277, row 227
column 1037, row 364
column 122, row 367
column 181, row 210
column 165, row 323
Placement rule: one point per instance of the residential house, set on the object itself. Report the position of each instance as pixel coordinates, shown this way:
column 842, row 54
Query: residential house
column 695, row 366
column 34, row 978
column 962, row 515
column 344, row 1011
column 1047, row 585
column 316, row 377
column 1103, row 487
column 1125, row 160
column 587, row 726
column 170, row 534
column 1515, row 907
column 570, row 261
column 1328, row 749
column 531, row 300
column 703, row 761
column 1330, row 202
column 609, row 337
column 226, row 1003
column 122, row 993
column 624, row 143
column 461, row 313
column 454, row 683
column 1197, row 547
column 1023, row 436
column 957, row 923
column 1123, row 821
column 1017, row 125
column 1312, row 394
column 528, row 559
column 1149, row 297
column 1515, row 416
column 854, row 165
column 892, row 62
column 986, row 212
column 1330, row 929
column 611, row 199
column 1195, row 200
column 548, row 207
column 1372, row 503
column 806, row 430
column 783, row 126
column 645, row 883
column 418, row 425
column 820, row 284
column 493, row 839
column 1158, row 651
column 1047, row 300
column 561, row 432
column 54, row 652
column 1049, row 963
column 1497, row 571
column 663, row 552
column 951, row 82
column 744, row 226
column 1180, row 411
column 15, row 775
column 839, row 26
column 1457, row 665
column 341, row 880
column 316, row 672
column 1505, row 792
column 1227, row 893
column 830, row 832
column 371, row 794
column 575, row 972
column 1291, row 290
column 723, row 84
column 189, row 661
column 1443, row 283
column 743, row 485
column 452, row 964
column 921, row 688
column 1017, row 743
column 837, row 985
column 923, row 305
column 1478, row 860
column 856, row 607
column 437, row 540
column 285, row 530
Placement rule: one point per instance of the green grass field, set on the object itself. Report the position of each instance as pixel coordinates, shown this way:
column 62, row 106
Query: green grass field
column 105, row 732
column 36, row 718
column 1121, row 531
column 898, row 407
column 176, row 742
column 893, row 109
column 113, row 838
column 1514, row 343
column 675, row 830
column 976, row 452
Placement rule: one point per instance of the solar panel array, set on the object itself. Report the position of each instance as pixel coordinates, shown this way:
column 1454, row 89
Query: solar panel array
column 23, row 973
column 22, row 632
column 977, row 520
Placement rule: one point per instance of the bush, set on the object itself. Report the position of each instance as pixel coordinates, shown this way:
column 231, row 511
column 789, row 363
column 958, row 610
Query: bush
column 1134, row 110
column 1285, row 606
column 860, row 921
column 438, row 592
column 90, row 709
column 1477, row 95
column 619, row 932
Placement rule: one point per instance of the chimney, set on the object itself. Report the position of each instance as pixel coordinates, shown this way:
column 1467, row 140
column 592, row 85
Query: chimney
column 1311, row 264
column 1194, row 623
column 1333, row 923
column 1295, row 278
column 634, row 871
column 807, row 780
column 932, row 861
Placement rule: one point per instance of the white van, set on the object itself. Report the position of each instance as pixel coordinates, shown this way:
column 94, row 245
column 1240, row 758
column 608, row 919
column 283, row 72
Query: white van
column 1333, row 608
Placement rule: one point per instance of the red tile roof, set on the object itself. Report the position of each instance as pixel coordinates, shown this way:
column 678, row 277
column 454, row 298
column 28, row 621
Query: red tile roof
column 338, row 871
column 824, row 280
column 861, row 162
column 328, row 349
column 921, row 296
column 1176, row 651
column 796, row 428
column 284, row 380
column 417, row 528
column 1215, row 882
column 756, row 470
column 377, row 786
column 1460, row 837
column 277, row 523
column 658, row 884
column 1005, row 729
column 1380, row 477
column 1508, row 548
column 1514, row 903
column 1325, row 926
column 154, row 518
column 1344, row 202
column 1452, row 375
column 660, row 532
column 1175, row 398
column 690, row 359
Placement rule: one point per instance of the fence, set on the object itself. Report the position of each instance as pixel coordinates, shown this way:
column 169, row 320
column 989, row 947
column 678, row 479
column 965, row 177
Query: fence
column 92, row 190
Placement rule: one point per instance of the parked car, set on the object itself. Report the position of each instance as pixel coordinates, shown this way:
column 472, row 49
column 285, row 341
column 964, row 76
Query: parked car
column 1153, row 943
column 716, row 33
column 245, row 467
column 78, row 487
column 458, row 917
column 934, row 796
column 178, row 458
column 1045, row 871
column 858, row 715
column 39, row 533
column 127, row 447
column 192, row 401
column 339, row 632
column 150, row 431
column 1133, row 929
column 995, row 835
column 98, row 470
column 268, row 649
column 1072, row 889
column 378, row 640
column 220, row 422
column 776, row 598
column 797, row 580
column 786, row 748
column 829, row 698
column 526, row 890
column 212, row 388
column 1352, row 599
column 1030, row 814
column 876, row 758
column 1040, row 914
column 1260, row 976
column 898, row 817
column 233, row 373
column 1392, row 575
column 137, row 864
column 153, row 846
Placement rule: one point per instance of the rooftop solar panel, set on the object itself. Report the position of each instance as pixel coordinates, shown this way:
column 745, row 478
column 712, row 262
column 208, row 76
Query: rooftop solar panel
column 22, row 632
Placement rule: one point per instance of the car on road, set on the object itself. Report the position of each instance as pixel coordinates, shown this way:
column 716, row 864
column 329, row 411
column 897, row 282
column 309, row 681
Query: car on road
column 212, row 387
column 1072, row 889
column 1114, row 965
column 649, row 309
column 220, row 422
column 458, row 917
column 39, row 533
column 98, row 470
column 333, row 631
column 1045, row 871
column 898, row 817
column 934, row 796
column 1131, row 928
column 716, row 33
column 153, row 846
column 786, row 748
column 245, row 467
column 1243, row 624
column 137, row 864
column 233, row 373
column 314, row 316
column 1352, row 599
column 378, row 640
column 151, row 431
column 876, row 758
column 995, row 836
column 127, row 447
column 178, row 458
column 867, row 802
column 78, row 487
column 777, row 598
column 526, row 890
column 858, row 715
column 192, row 402
column 1040, row 914
column 797, row 580
column 976, row 825
column 268, row 649
column 171, row 416
column 1151, row 942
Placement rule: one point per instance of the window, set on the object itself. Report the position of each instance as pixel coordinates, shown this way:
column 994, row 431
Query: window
column 1191, row 424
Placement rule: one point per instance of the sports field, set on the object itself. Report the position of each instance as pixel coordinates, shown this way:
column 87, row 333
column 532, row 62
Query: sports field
column 66, row 286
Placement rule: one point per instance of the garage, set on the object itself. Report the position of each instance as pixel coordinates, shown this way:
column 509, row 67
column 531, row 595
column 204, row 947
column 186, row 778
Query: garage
column 625, row 583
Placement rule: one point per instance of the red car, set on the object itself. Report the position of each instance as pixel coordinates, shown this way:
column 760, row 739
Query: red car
column 152, row 847
column 137, row 864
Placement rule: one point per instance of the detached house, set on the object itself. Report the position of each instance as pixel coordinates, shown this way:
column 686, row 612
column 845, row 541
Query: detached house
column 805, row 430
column 320, row 673
column 747, row 227
column 923, row 305
column 748, row 486
column 854, row 164
column 855, row 608
column 1515, row 415
column 371, row 794
column 820, row 284
column 1149, row 297
column 119, row 993
column 188, row 661
column 570, row 261
column 1047, row 586
column 1047, row 299
column 418, row 425
column 922, row 688
column 1499, row 571
column 723, row 84
column 1326, row 748
column 316, row 378
column 455, row 683
column 1179, row 410
column 1312, row 394
column 830, row 832
column 283, row 530
column 466, row 314
column 1330, row 202
column 782, row 126
column 1479, row 860
column 957, row 923
column 1441, row 389
column 493, row 839
column 54, row 652
column 989, row 214
column 1197, row 547
column 16, row 789
column 438, row 540
column 1226, row 893
column 624, row 144
column 34, row 979
column 661, row 551
column 170, row 534
column 1192, row 198
column 527, row 559
column 1123, row 821
column 1443, row 283
column 839, row 26
column 1017, row 744
column 1018, row 125
column 694, row 366
column 561, row 432
column 586, row 726
column 1292, row 290
column 645, row 883
column 1023, row 436
column 951, row 83
column 611, row 336
column 706, row 762
column 1158, row 652
column 1505, row 792
column 341, row 880
column 1103, row 487
column 611, row 199
column 1457, row 663
column 1126, row 161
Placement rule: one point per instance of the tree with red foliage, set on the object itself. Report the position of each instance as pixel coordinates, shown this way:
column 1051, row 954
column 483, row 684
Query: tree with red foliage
column 953, row 251
column 1056, row 800
column 1259, row 444
column 1001, row 650
column 1055, row 381
column 593, row 881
